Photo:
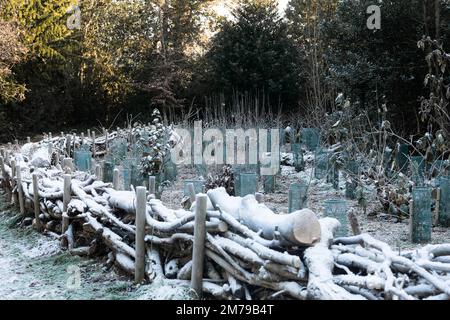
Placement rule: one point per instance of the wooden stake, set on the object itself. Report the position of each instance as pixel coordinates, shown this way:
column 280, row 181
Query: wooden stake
column 93, row 145
column 28, row 140
column 116, row 179
column 57, row 160
column 191, row 190
column 141, row 206
column 67, row 163
column 66, row 200
column 50, row 149
column 15, row 198
column 152, row 185
column 106, row 139
column 37, row 207
column 5, row 179
column 20, row 190
column 198, row 251
column 68, row 144
column 98, row 171
column 436, row 210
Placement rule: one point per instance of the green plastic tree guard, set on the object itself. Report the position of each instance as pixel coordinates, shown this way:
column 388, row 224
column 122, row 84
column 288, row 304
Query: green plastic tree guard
column 418, row 169
column 118, row 149
column 387, row 157
column 108, row 168
column 198, row 186
column 237, row 170
column 82, row 160
column 282, row 137
column 297, row 155
column 402, row 157
column 444, row 201
column 269, row 184
column 421, row 219
column 137, row 176
column 126, row 175
column 337, row 208
column 248, row 183
column 310, row 138
column 170, row 171
column 298, row 193
column 351, row 183
column 321, row 164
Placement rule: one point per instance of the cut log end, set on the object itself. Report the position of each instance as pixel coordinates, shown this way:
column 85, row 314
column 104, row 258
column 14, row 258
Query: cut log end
column 306, row 227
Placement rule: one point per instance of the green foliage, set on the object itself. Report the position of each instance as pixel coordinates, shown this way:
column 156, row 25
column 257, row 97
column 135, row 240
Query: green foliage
column 378, row 66
column 438, row 81
column 12, row 52
column 44, row 22
column 254, row 53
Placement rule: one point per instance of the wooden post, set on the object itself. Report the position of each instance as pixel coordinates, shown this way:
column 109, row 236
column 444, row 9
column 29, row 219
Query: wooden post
column 116, row 179
column 259, row 197
column 5, row 179
column 98, row 171
column 152, row 185
column 191, row 190
column 198, row 251
column 15, row 198
column 37, row 207
column 141, row 206
column 106, row 139
column 7, row 157
column 421, row 216
column 94, row 152
column 66, row 200
column 89, row 133
column 68, row 145
column 436, row 208
column 50, row 149
column 67, row 163
column 16, row 143
column 20, row 190
column 28, row 140
column 50, row 136
column 57, row 160
column 74, row 143
column 82, row 138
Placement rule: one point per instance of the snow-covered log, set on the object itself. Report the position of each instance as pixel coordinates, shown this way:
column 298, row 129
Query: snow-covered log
column 298, row 228
column 320, row 262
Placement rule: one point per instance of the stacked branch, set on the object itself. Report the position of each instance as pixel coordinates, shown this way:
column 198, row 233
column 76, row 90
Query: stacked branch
column 250, row 252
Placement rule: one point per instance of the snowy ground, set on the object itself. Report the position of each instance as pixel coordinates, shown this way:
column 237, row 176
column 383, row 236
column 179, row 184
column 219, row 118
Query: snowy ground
column 378, row 224
column 32, row 266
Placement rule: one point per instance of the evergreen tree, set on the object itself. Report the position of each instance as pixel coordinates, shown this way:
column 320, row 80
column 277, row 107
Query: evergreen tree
column 253, row 53
column 373, row 67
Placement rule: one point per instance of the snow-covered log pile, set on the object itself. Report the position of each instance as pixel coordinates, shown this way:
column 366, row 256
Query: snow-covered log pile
column 250, row 252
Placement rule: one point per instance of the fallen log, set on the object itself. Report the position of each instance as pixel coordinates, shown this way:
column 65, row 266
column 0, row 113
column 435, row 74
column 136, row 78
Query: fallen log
column 298, row 228
column 320, row 262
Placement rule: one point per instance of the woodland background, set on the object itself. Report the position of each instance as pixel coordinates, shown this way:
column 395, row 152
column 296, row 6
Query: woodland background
column 183, row 58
